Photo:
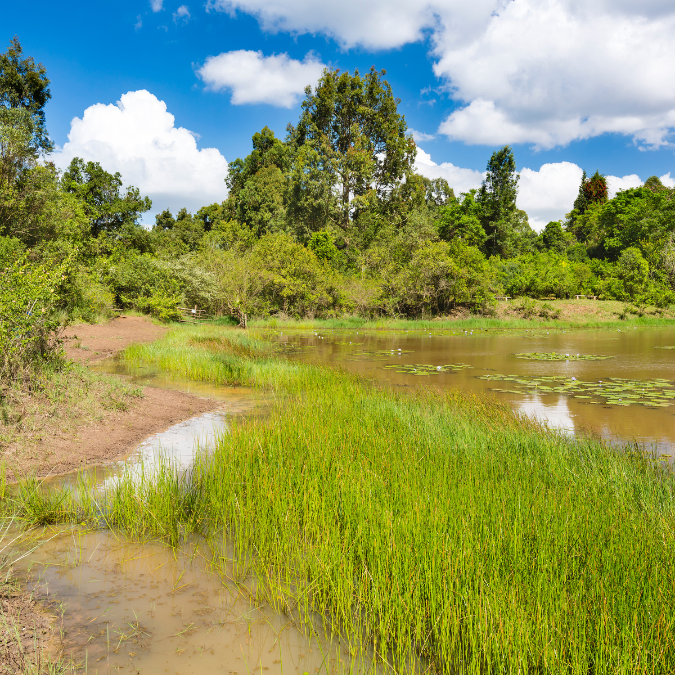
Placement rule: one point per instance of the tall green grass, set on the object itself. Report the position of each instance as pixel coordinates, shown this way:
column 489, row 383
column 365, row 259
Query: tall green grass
column 439, row 528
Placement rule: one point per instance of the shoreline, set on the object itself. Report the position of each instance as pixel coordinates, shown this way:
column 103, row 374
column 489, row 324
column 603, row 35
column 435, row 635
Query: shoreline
column 65, row 436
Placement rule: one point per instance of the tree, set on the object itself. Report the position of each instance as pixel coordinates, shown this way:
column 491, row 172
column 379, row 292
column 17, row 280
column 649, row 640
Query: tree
column 553, row 237
column 654, row 184
column 595, row 189
column 107, row 207
column 460, row 219
column 352, row 124
column 497, row 198
column 260, row 202
column 581, row 202
column 25, row 86
column 634, row 271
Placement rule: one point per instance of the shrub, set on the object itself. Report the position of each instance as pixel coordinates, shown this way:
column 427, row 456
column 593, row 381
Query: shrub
column 29, row 317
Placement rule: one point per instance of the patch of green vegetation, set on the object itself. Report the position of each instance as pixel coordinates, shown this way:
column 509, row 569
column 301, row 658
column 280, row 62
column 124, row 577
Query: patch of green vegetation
column 657, row 393
column 666, row 347
column 556, row 356
column 425, row 369
column 430, row 524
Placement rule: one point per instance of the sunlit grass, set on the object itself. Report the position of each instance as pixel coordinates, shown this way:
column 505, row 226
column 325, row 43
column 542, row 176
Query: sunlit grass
column 438, row 528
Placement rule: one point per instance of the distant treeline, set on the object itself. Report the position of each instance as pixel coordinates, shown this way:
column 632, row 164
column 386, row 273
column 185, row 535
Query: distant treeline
column 332, row 220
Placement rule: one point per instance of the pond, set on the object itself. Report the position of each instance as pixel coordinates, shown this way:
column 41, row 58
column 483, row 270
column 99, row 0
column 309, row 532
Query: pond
column 618, row 384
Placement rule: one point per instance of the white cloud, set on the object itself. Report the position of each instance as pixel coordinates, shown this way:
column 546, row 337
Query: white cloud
column 545, row 72
column 138, row 137
column 616, row 183
column 378, row 24
column 548, row 194
column 460, row 180
column 253, row 78
column 156, row 5
column 182, row 14
column 667, row 180
column 420, row 136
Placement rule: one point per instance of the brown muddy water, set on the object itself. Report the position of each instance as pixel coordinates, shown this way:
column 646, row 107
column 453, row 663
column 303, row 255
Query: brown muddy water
column 130, row 607
column 636, row 356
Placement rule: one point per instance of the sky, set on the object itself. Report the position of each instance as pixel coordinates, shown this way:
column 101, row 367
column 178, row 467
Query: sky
column 168, row 92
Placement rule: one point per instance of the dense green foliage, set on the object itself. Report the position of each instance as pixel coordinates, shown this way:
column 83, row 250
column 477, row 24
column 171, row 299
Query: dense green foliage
column 328, row 222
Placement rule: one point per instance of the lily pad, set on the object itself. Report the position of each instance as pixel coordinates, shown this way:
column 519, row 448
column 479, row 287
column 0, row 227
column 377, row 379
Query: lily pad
column 557, row 356
column 426, row 369
column 656, row 393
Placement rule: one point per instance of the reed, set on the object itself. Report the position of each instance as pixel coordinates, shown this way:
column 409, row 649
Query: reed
column 440, row 529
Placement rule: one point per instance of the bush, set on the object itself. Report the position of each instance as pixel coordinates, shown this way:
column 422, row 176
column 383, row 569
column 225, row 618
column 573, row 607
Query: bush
column 29, row 317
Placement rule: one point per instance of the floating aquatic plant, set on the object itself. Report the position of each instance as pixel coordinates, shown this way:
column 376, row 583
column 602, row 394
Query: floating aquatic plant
column 378, row 353
column 426, row 369
column 556, row 356
column 657, row 393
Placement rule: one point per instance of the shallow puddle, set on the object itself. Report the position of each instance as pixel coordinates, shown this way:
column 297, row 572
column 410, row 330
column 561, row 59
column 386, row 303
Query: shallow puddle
column 460, row 359
column 144, row 608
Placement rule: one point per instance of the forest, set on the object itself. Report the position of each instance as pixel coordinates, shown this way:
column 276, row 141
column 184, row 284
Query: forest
column 330, row 221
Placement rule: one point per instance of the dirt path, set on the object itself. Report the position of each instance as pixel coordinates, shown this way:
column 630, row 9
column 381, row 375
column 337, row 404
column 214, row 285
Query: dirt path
column 87, row 343
column 60, row 448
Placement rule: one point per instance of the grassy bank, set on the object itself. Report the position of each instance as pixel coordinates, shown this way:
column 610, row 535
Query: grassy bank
column 516, row 314
column 429, row 524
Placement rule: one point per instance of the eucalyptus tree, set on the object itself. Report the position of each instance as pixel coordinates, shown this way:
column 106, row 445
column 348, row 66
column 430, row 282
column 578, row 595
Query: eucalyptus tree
column 356, row 141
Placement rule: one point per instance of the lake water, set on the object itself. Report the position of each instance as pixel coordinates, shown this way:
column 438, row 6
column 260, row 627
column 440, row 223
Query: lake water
column 637, row 360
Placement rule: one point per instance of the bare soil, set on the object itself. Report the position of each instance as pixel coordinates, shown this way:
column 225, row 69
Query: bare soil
column 25, row 632
column 66, row 439
column 88, row 343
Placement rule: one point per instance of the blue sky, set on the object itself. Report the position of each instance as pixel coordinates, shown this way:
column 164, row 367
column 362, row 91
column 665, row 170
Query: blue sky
column 569, row 84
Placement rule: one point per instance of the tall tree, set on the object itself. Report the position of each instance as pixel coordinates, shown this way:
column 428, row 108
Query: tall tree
column 497, row 198
column 581, row 202
column 595, row 189
column 353, row 125
column 24, row 86
column 108, row 208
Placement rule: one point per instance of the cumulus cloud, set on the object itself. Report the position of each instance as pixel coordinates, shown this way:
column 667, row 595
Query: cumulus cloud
column 156, row 5
column 667, row 180
column 420, row 136
column 544, row 72
column 277, row 80
column 549, row 193
column 616, row 183
column 182, row 14
column 376, row 24
column 138, row 137
column 460, row 180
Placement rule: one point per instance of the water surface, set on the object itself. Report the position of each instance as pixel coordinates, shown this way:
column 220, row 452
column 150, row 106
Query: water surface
column 636, row 354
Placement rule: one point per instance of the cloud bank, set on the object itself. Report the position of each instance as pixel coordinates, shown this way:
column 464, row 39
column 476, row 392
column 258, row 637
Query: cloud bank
column 544, row 72
column 277, row 80
column 137, row 137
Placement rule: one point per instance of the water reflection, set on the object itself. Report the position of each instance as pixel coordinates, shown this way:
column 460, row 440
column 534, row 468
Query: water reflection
column 555, row 416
